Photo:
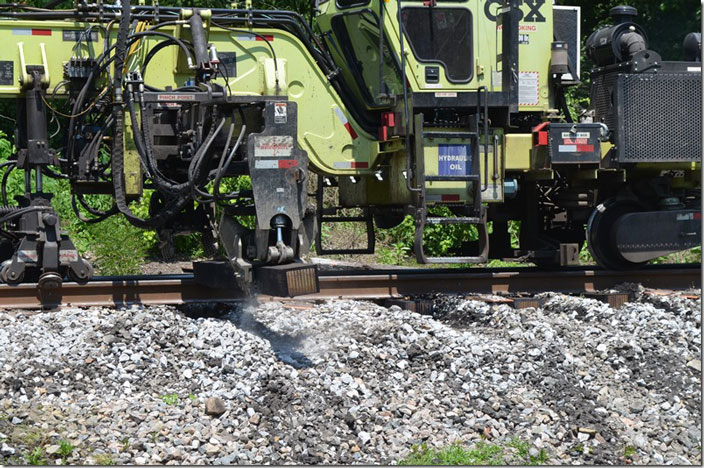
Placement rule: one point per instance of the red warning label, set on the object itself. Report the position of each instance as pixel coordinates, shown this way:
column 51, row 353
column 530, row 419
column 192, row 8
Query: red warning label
column 273, row 146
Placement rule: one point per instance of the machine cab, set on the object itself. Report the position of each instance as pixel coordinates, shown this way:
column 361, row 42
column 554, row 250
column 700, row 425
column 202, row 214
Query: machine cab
column 449, row 46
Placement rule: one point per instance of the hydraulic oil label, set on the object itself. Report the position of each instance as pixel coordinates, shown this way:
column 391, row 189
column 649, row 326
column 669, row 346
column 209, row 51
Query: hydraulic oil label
column 454, row 160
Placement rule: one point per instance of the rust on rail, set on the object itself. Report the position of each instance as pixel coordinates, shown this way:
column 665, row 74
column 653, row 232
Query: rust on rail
column 113, row 293
column 181, row 289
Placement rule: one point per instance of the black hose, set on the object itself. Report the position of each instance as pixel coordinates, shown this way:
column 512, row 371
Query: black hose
column 223, row 157
column 51, row 173
column 195, row 168
column 153, row 51
column 563, row 105
column 260, row 36
column 21, row 211
column 117, row 159
column 204, row 197
column 78, row 103
column 99, row 215
column 7, row 209
column 12, row 166
column 102, row 64
column 179, row 42
column 216, row 186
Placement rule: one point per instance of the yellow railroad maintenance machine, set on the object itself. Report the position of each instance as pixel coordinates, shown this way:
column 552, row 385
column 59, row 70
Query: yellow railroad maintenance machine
column 403, row 106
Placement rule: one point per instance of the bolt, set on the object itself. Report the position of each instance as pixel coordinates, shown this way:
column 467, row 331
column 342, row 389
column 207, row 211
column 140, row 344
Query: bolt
column 50, row 219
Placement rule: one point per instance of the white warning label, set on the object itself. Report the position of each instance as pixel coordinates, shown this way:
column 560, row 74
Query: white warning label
column 176, row 97
column 280, row 113
column 529, row 88
column 68, row 256
column 576, row 135
column 27, row 255
column 273, row 146
column 267, row 164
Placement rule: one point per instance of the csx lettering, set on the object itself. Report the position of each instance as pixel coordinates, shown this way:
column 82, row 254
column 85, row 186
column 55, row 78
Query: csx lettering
column 534, row 15
column 488, row 9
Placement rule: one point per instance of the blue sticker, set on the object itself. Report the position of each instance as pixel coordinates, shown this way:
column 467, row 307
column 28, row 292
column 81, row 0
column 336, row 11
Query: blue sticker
column 454, row 160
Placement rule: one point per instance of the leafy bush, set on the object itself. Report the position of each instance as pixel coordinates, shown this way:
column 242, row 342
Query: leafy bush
column 114, row 245
column 437, row 240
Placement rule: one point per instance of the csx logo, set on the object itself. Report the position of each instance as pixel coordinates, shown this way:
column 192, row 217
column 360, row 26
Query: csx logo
column 533, row 15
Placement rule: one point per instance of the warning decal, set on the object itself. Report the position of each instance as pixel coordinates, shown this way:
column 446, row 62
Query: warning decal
column 7, row 73
column 79, row 36
column 280, row 113
column 454, row 160
column 584, row 135
column 273, row 146
column 529, row 88
column 275, row 163
column 576, row 148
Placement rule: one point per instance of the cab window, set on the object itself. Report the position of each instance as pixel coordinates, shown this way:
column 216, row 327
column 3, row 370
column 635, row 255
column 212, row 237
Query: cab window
column 442, row 35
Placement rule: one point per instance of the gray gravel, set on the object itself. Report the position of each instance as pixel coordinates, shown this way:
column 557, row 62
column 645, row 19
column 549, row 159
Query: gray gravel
column 353, row 382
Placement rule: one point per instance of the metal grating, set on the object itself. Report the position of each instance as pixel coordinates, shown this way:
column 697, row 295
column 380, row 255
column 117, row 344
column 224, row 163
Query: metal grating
column 659, row 117
column 289, row 280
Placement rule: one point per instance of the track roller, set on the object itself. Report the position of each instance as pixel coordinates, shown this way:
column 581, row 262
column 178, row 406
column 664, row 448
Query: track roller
column 622, row 234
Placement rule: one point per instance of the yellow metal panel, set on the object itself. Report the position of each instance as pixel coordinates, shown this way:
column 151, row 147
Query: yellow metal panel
column 517, row 151
column 132, row 169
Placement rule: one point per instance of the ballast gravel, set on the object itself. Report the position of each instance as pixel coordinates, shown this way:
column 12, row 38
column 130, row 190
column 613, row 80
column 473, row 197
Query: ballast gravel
column 353, row 382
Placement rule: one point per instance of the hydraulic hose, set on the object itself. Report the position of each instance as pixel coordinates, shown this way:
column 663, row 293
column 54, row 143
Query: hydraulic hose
column 223, row 169
column 117, row 157
column 99, row 216
column 7, row 209
column 14, row 212
column 11, row 165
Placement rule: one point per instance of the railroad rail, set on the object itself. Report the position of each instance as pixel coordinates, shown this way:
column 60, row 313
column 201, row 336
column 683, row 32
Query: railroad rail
column 352, row 284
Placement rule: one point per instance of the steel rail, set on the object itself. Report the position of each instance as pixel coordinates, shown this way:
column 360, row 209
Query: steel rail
column 114, row 293
column 397, row 283
column 373, row 284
